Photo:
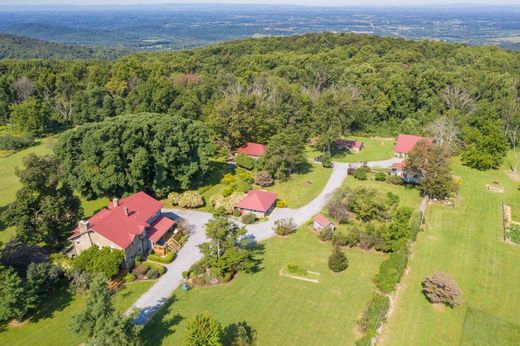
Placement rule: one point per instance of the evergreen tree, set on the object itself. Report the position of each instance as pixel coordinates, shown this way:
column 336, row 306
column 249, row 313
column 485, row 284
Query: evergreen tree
column 338, row 262
column 203, row 330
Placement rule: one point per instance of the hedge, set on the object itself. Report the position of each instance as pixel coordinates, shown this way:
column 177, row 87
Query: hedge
column 160, row 268
column 163, row 259
column 373, row 317
column 391, row 270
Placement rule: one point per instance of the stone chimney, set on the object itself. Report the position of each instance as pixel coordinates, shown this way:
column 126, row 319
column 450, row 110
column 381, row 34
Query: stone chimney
column 126, row 211
column 83, row 226
column 115, row 202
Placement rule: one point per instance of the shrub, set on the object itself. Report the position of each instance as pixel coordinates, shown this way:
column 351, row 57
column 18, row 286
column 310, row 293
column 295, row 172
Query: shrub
column 380, row 176
column 153, row 274
column 284, row 227
column 248, row 218
column 129, row 277
column 281, row 203
column 236, row 212
column 203, row 329
column 263, row 178
column 338, row 210
column 295, row 269
column 338, row 262
column 394, row 180
column 95, row 260
column 10, row 142
column 156, row 266
column 168, row 258
column 197, row 269
column 227, row 203
column 374, row 315
column 189, row 199
column 141, row 269
column 391, row 270
column 441, row 288
column 245, row 161
column 173, row 198
column 360, row 174
column 326, row 161
column 326, row 234
column 339, row 238
column 514, row 234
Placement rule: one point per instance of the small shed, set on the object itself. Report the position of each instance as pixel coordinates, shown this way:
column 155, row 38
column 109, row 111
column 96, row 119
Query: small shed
column 349, row 144
column 321, row 222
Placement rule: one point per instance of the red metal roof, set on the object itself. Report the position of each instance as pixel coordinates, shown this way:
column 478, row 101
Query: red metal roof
column 405, row 143
column 322, row 220
column 252, row 149
column 159, row 228
column 114, row 224
column 399, row 165
column 258, row 200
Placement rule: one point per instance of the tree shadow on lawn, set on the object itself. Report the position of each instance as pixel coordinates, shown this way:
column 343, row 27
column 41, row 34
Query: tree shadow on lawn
column 216, row 172
column 231, row 331
column 57, row 300
column 304, row 168
column 258, row 258
column 161, row 325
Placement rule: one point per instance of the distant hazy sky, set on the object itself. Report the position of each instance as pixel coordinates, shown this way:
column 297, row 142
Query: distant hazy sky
column 291, row 2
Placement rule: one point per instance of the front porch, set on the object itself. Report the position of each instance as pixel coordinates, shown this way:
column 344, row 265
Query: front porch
column 165, row 235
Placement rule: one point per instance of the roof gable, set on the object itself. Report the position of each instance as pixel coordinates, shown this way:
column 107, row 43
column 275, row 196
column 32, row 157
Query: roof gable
column 122, row 222
column 405, row 143
column 252, row 149
column 258, row 200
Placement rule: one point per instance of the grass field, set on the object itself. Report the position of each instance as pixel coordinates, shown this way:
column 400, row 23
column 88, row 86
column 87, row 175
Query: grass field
column 467, row 242
column 51, row 325
column 300, row 189
column 283, row 310
column 374, row 148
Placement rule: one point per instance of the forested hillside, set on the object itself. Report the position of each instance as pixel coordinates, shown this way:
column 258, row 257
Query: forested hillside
column 21, row 47
column 326, row 84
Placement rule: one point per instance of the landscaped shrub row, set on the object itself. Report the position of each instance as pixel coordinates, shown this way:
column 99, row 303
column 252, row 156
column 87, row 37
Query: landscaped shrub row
column 155, row 266
column 514, row 233
column 373, row 317
column 163, row 259
column 391, row 270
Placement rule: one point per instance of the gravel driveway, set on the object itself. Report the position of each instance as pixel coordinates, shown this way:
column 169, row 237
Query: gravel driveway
column 160, row 293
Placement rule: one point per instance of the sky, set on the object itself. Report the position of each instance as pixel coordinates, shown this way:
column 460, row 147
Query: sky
column 278, row 2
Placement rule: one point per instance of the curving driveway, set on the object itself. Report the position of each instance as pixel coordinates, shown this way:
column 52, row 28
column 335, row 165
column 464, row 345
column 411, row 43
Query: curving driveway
column 161, row 292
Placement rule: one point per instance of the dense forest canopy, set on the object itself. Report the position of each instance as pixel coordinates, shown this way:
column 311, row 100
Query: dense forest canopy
column 326, row 84
column 21, row 47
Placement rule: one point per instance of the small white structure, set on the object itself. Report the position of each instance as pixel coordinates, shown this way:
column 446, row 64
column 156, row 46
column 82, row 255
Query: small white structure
column 321, row 222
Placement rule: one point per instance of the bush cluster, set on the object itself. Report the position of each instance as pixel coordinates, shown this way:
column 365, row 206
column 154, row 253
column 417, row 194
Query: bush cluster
column 168, row 258
column 391, row 270
column 10, row 142
column 380, row 176
column 188, row 199
column 248, row 218
column 226, row 203
column 263, row 179
column 374, row 315
column 284, row 227
column 245, row 161
column 440, row 288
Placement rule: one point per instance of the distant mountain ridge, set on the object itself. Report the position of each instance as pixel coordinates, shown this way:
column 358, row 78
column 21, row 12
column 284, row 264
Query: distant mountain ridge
column 21, row 47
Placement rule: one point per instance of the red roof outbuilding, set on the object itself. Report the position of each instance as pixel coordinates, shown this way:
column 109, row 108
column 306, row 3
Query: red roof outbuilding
column 405, row 143
column 258, row 200
column 252, row 149
column 124, row 219
column 322, row 220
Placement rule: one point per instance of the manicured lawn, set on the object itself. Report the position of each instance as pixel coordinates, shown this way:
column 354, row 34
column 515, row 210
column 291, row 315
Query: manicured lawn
column 302, row 188
column 465, row 241
column 51, row 325
column 284, row 311
column 374, row 148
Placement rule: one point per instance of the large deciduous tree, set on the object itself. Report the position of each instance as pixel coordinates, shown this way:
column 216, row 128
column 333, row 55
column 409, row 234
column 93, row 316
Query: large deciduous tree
column 151, row 152
column 45, row 208
column 430, row 162
column 284, row 155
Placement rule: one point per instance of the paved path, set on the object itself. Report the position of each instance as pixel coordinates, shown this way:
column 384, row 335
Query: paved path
column 162, row 290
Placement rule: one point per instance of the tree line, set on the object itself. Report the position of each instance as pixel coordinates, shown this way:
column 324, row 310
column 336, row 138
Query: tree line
column 315, row 84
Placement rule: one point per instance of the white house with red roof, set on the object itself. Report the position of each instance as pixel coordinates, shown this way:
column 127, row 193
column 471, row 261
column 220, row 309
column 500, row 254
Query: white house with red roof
column 133, row 224
column 321, row 222
column 405, row 144
column 255, row 150
column 258, row 202
column 398, row 168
